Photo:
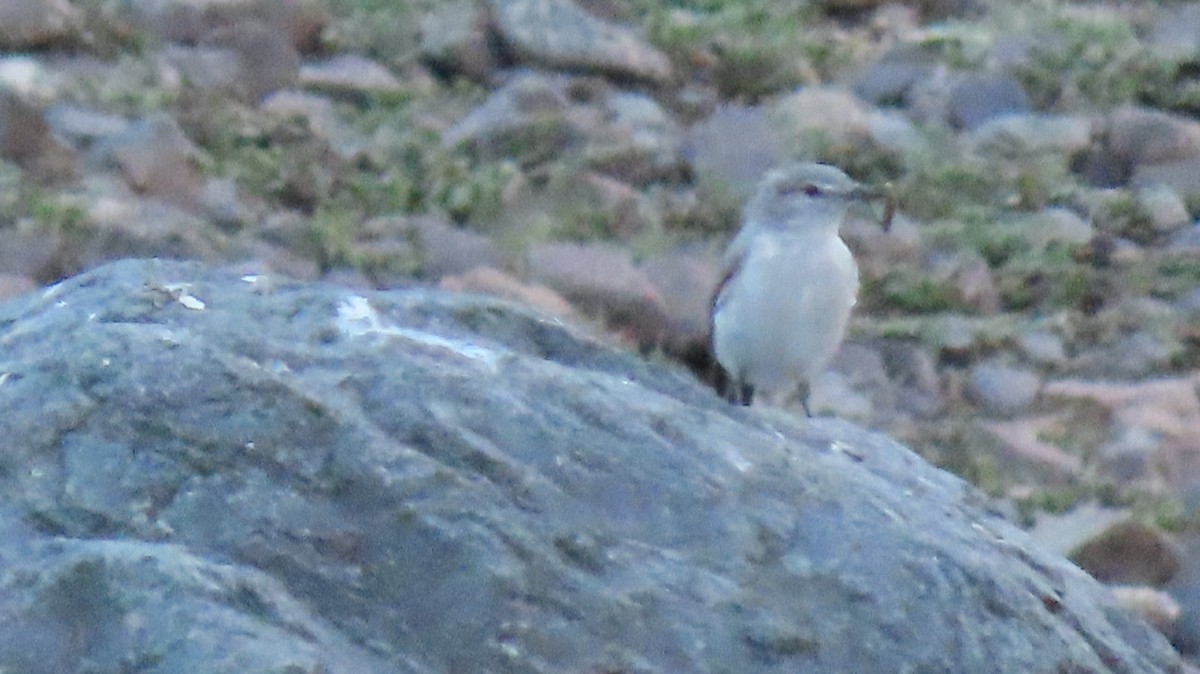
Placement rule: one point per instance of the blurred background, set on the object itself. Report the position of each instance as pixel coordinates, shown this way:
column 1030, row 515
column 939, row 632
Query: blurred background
column 1031, row 322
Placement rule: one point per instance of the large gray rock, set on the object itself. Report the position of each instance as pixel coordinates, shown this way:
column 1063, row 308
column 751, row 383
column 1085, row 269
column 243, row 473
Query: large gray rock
column 201, row 472
column 559, row 35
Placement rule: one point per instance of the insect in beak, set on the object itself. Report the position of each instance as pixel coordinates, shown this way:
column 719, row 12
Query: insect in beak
column 886, row 192
column 889, row 206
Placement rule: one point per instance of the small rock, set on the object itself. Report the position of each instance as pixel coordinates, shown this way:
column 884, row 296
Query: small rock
column 1131, row 138
column 890, row 79
column 1064, row 532
column 123, row 225
column 12, row 285
column 686, row 282
column 155, row 158
column 535, row 117
column 1130, row 456
column 1028, row 134
column 454, row 40
column 26, row 140
column 1190, row 302
column 264, row 257
column 1166, row 407
column 894, row 132
column 84, row 126
column 26, row 24
column 980, row 97
column 206, row 68
column 1154, row 606
column 444, row 249
column 1022, row 440
column 29, row 78
column 558, row 35
column 1186, row 240
column 324, row 124
column 832, row 116
column 1182, row 175
column 636, row 140
column 193, row 21
column 952, row 335
column 832, row 394
column 266, row 59
column 1003, row 390
column 1175, row 37
column 1185, row 588
column 879, row 252
column 23, row 129
column 491, row 281
column 1057, row 225
column 855, row 385
column 305, row 21
column 1138, row 354
column 220, row 201
column 618, row 203
column 976, row 286
column 349, row 75
column 1042, row 347
column 31, row 252
column 913, row 374
column 1129, row 553
column 732, row 148
column 1164, row 206
column 1147, row 136
column 602, row 280
column 247, row 61
column 386, row 252
column 525, row 120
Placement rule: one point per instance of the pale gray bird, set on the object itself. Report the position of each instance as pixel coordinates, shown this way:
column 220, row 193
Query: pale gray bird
column 781, row 310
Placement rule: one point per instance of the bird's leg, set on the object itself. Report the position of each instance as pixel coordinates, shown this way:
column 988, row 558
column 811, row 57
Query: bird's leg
column 745, row 394
column 734, row 390
column 802, row 391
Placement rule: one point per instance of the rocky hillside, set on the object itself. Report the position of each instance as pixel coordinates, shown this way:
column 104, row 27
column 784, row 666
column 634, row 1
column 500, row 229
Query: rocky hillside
column 205, row 471
column 1031, row 322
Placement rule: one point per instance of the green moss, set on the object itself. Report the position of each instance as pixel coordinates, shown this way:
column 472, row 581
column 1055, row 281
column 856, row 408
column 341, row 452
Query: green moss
column 996, row 237
column 1055, row 500
column 133, row 88
column 332, row 234
column 1170, row 515
column 1098, row 56
column 1126, row 216
column 749, row 48
column 1047, row 281
column 384, row 29
column 110, row 28
column 958, row 44
column 934, row 189
column 957, row 446
column 60, row 214
column 909, row 291
column 1176, row 275
column 468, row 191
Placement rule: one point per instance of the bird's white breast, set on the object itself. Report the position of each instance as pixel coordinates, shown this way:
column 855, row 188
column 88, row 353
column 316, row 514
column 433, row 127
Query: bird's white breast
column 783, row 315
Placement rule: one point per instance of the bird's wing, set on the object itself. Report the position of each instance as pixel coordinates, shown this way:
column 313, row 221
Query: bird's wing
column 734, row 258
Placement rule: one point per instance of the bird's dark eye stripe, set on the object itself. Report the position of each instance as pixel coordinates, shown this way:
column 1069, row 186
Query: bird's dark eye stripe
column 810, row 189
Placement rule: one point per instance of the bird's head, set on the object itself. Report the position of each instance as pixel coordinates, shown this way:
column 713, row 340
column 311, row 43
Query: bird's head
column 808, row 196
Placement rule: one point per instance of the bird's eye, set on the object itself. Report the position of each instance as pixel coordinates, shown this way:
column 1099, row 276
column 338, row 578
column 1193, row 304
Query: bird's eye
column 812, row 190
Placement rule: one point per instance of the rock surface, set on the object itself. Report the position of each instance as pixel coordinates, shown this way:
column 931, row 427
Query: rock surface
column 210, row 473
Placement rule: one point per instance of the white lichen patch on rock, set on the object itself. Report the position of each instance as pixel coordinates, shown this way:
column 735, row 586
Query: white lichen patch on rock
column 357, row 318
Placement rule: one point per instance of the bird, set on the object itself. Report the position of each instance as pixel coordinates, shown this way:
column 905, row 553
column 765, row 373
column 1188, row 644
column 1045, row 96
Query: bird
column 781, row 308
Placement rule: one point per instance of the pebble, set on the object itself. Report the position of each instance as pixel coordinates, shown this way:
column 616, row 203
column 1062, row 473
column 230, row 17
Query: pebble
column 1130, row 553
column 1003, row 390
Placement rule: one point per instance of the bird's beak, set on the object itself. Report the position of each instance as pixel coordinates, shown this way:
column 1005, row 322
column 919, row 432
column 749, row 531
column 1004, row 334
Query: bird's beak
column 874, row 193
